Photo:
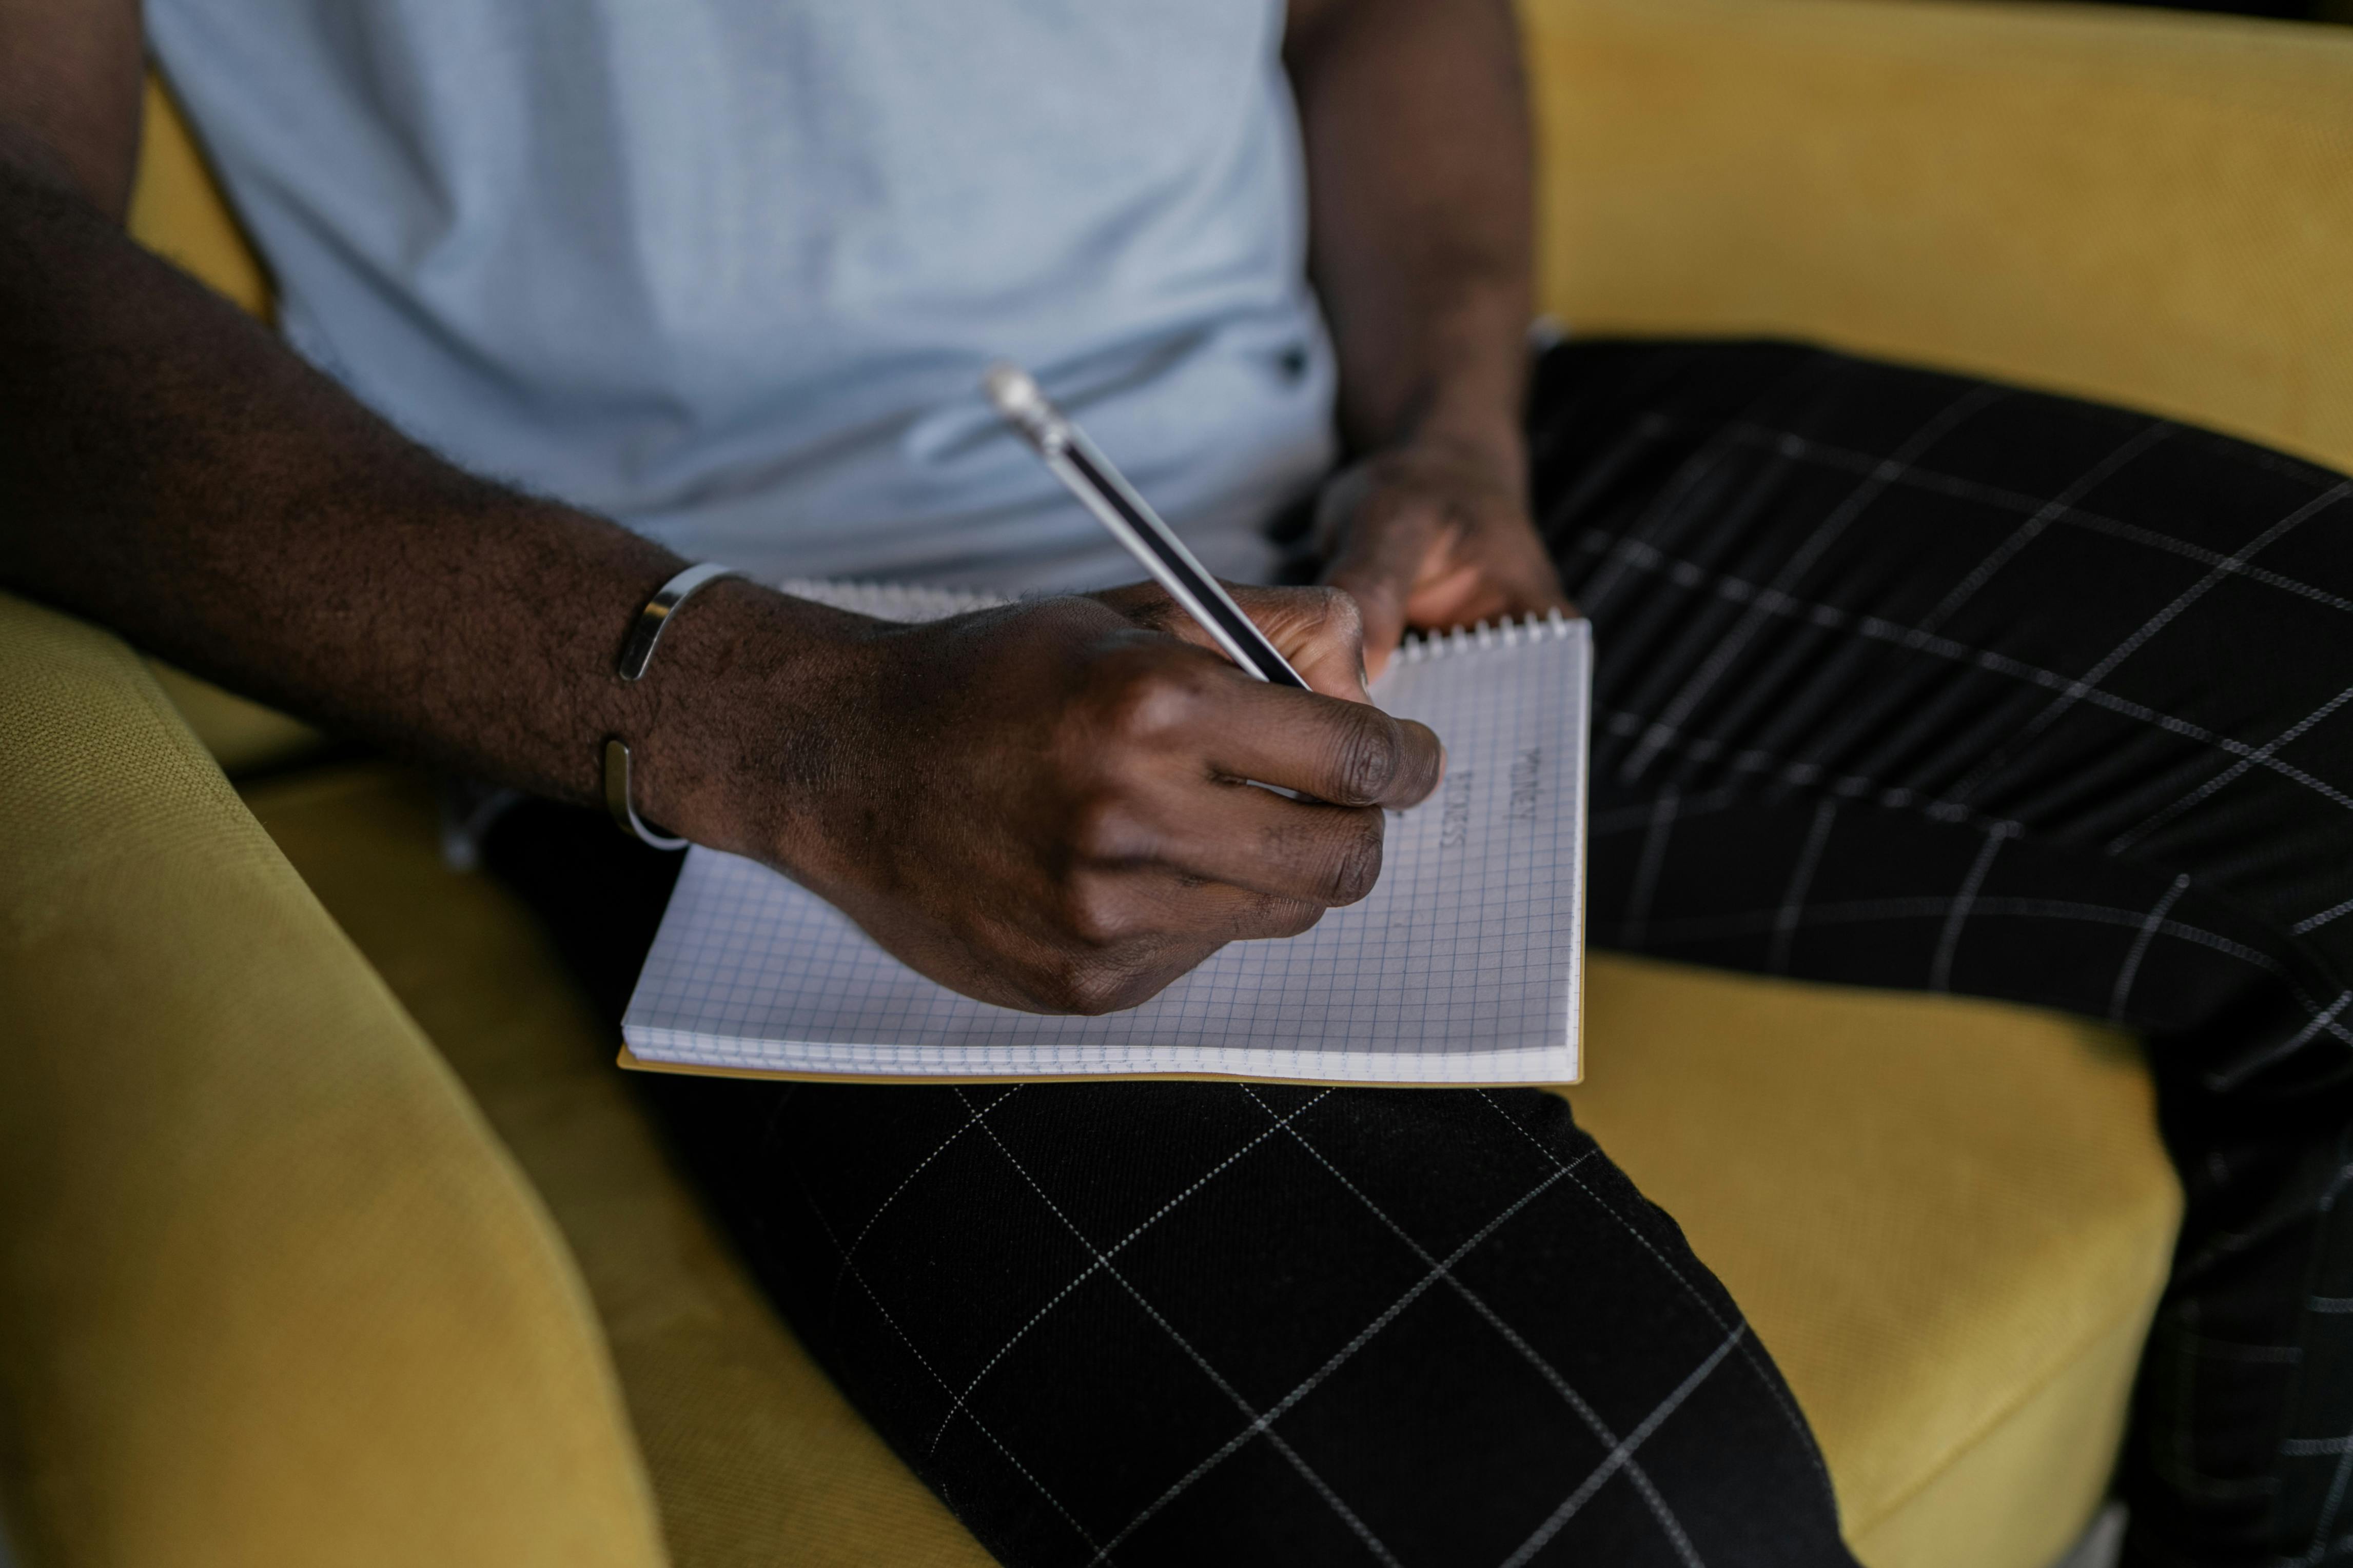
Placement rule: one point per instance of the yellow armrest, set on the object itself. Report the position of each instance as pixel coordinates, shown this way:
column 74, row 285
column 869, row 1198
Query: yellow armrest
column 2146, row 208
column 269, row 1290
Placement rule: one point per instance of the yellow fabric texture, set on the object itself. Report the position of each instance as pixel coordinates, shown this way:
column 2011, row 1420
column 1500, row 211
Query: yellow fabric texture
column 177, row 212
column 757, row 1461
column 2147, row 207
column 269, row 1293
column 243, row 736
column 1949, row 1219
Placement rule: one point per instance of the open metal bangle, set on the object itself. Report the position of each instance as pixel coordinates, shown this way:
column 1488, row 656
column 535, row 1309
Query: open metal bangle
column 616, row 798
column 654, row 618
column 636, row 653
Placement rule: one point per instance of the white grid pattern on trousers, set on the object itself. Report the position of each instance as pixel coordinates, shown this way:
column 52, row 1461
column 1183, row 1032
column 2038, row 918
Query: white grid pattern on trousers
column 1621, row 1451
column 1739, row 579
column 1461, row 966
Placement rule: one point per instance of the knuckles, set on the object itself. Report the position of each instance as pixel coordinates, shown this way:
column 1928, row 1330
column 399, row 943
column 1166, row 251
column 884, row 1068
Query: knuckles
column 1355, row 862
column 1336, row 616
column 1318, row 625
column 1102, row 829
column 1095, row 989
column 1289, row 918
column 1148, row 700
column 1367, row 758
column 1097, row 912
column 1096, row 984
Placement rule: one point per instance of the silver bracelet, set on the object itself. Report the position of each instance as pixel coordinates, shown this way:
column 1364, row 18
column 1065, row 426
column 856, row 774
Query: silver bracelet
column 636, row 653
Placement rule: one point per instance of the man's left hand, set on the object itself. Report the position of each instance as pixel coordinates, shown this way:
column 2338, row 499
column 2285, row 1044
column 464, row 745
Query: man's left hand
column 1432, row 534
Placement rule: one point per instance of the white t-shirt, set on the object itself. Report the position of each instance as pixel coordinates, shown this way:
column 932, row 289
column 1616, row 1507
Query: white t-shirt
column 730, row 270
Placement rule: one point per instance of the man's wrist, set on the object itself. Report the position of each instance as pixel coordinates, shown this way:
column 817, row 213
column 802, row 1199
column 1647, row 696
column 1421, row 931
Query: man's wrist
column 714, row 722
column 1468, row 400
column 1492, row 442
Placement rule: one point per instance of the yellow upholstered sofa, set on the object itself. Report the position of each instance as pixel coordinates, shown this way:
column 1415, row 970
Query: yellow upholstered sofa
column 329, row 1236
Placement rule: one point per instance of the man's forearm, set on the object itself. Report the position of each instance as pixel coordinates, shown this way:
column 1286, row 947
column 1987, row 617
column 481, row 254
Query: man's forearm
column 168, row 469
column 1036, row 804
column 1416, row 124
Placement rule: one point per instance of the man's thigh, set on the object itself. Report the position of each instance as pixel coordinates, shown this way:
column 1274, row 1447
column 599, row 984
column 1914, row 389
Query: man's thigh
column 2040, row 699
column 1173, row 1323
column 1910, row 681
column 1236, row 1324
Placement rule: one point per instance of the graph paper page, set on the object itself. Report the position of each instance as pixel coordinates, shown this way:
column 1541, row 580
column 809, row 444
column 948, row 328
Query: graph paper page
column 1463, row 965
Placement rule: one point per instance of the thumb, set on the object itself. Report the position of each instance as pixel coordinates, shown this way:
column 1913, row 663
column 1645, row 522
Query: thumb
column 1380, row 555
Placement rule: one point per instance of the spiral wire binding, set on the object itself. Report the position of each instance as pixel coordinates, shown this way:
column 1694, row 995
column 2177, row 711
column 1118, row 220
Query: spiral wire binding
column 1509, row 632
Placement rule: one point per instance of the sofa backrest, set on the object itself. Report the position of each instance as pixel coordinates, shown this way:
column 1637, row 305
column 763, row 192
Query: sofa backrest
column 2143, row 207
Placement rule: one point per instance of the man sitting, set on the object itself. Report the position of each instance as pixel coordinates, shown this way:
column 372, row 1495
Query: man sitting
column 1907, row 680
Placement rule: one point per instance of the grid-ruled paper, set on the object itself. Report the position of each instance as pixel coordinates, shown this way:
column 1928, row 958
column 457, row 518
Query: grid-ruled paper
column 1462, row 966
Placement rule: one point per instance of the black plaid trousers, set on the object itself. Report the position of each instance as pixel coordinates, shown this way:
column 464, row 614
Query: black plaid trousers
column 1905, row 680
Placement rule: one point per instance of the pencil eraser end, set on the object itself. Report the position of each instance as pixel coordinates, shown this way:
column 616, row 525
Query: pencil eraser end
column 1012, row 389
column 1023, row 405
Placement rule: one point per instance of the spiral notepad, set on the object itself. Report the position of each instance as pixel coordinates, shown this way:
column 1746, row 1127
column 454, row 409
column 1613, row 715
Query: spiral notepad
column 1463, row 965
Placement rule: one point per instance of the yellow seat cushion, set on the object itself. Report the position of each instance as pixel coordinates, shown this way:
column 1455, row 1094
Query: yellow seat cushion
column 1948, row 1220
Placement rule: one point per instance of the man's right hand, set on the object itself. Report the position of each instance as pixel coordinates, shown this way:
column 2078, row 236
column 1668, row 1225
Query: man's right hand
column 1048, row 805
column 1041, row 805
